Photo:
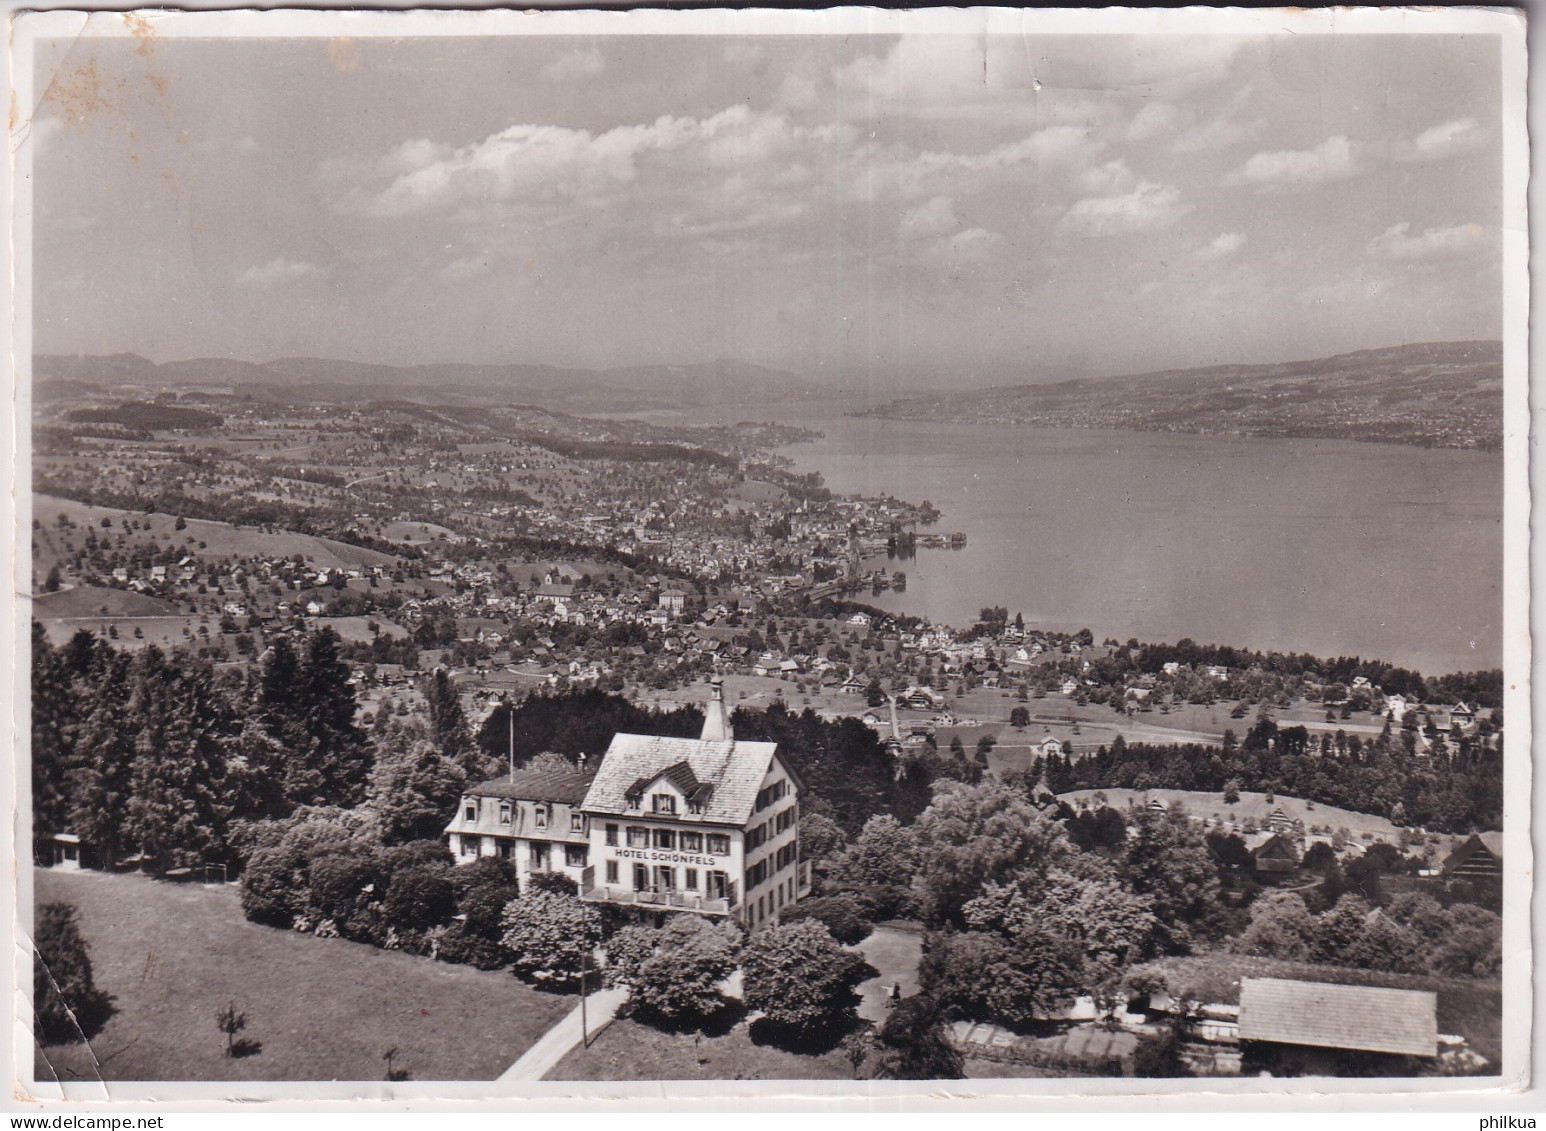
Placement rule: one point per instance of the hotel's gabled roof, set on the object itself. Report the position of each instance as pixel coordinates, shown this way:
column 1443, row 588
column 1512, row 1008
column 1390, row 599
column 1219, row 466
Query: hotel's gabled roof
column 634, row 762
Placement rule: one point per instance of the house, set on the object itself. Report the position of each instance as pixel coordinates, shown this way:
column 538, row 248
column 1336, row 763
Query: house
column 709, row 825
column 1395, row 705
column 1069, row 686
column 1276, row 854
column 1047, row 747
column 1473, row 860
column 1317, row 1028
column 533, row 818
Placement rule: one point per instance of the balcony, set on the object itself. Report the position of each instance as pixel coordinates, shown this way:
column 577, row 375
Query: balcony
column 657, row 899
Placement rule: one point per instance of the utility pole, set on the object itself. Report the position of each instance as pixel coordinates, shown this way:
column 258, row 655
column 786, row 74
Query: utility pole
column 584, row 982
column 510, row 715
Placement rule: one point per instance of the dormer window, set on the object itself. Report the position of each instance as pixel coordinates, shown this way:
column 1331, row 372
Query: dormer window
column 471, row 810
column 576, row 822
column 542, row 816
column 664, row 803
column 504, row 812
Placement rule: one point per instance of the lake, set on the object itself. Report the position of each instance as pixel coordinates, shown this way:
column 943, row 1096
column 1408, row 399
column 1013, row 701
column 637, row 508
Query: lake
column 1323, row 546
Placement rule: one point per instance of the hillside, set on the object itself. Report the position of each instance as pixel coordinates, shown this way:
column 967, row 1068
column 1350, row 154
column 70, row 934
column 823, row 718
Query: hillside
column 1434, row 394
column 323, row 379
column 220, row 539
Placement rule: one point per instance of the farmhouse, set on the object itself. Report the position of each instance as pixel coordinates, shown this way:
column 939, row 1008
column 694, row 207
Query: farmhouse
column 1316, row 1028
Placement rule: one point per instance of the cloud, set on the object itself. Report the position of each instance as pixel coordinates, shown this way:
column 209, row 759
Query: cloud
column 1331, row 160
column 1435, row 243
column 1220, row 247
column 581, row 63
column 936, row 218
column 537, row 164
column 1153, row 119
column 1147, row 207
column 1108, row 179
column 1450, row 139
column 278, row 271
column 1219, row 133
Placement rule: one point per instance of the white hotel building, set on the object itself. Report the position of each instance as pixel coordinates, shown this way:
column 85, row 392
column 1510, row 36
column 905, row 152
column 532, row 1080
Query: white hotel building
column 709, row 825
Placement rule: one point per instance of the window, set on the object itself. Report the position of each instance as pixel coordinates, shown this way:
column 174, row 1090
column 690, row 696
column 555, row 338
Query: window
column 716, row 885
column 664, row 802
column 637, row 837
column 472, row 810
column 772, row 793
column 504, row 812
column 665, row 877
column 641, row 878
column 612, row 835
column 690, row 879
column 542, row 816
column 633, row 802
column 784, row 820
column 506, row 849
column 576, row 855
column 692, row 842
column 665, row 838
column 471, row 845
column 539, row 856
column 611, row 871
column 718, row 844
column 576, row 822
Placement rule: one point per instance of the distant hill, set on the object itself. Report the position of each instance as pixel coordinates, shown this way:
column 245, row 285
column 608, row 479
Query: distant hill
column 574, row 390
column 1433, row 394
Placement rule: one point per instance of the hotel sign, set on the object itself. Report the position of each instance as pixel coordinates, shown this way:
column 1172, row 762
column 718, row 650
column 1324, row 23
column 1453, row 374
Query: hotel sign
column 665, row 856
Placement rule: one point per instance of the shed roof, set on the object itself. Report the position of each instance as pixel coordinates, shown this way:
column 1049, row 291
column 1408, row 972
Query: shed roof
column 734, row 769
column 1367, row 1018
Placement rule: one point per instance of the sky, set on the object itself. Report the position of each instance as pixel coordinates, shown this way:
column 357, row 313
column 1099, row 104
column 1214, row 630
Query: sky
column 939, row 209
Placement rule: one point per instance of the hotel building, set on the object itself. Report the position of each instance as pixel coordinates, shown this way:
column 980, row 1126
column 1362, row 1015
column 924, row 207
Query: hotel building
column 709, row 825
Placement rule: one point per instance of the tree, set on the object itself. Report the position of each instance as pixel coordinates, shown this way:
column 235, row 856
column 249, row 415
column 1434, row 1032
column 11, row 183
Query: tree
column 989, row 977
column 308, row 706
column 1281, row 927
column 1232, row 791
column 912, row 1045
column 840, row 914
column 975, row 834
column 673, row 973
column 1167, row 860
column 448, row 722
column 230, row 1021
column 874, row 694
column 877, row 867
column 1337, row 929
column 1019, row 718
column 800, row 978
column 419, row 896
column 65, row 998
column 412, row 788
column 548, row 935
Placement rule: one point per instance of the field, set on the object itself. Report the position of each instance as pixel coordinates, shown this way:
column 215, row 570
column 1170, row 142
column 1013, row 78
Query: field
column 221, row 539
column 628, row 1050
column 1470, row 1008
column 1362, row 826
column 323, row 1009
